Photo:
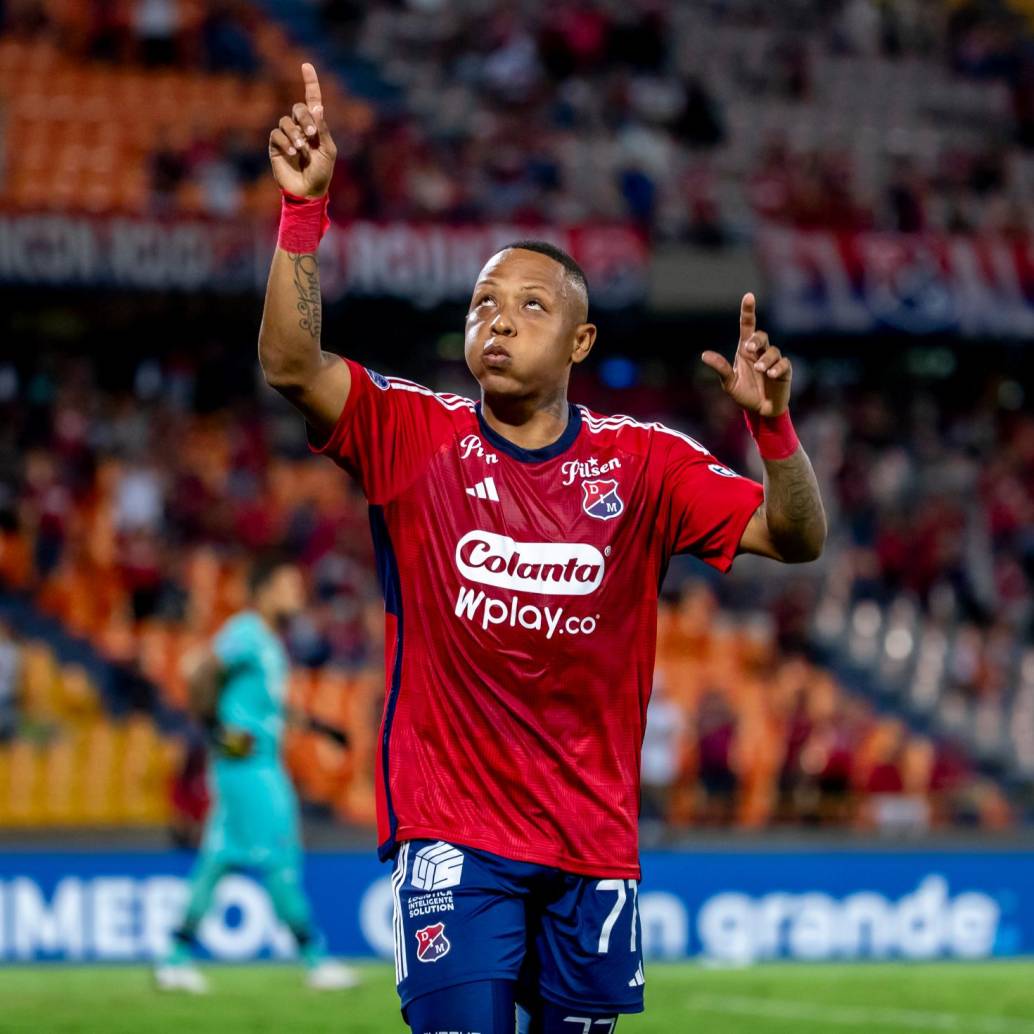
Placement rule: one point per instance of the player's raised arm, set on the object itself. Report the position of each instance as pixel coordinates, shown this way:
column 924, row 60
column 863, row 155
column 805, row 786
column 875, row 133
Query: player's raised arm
column 790, row 524
column 302, row 154
column 204, row 675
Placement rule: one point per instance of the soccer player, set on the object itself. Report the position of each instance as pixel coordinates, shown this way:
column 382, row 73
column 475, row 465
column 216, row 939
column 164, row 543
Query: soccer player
column 521, row 542
column 239, row 691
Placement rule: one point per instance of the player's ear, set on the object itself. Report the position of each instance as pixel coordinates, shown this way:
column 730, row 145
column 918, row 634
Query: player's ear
column 584, row 339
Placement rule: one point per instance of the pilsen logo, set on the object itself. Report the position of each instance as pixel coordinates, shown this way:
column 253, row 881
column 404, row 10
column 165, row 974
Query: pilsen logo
column 553, row 568
column 591, row 468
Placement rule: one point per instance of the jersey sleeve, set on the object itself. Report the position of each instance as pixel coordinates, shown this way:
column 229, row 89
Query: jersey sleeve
column 705, row 506
column 388, row 431
column 235, row 645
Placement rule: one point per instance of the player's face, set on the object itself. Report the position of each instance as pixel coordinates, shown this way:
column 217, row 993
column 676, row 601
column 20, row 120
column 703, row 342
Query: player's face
column 285, row 592
column 524, row 327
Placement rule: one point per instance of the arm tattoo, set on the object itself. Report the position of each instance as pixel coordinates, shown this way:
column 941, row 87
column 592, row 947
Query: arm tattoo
column 307, row 284
column 793, row 506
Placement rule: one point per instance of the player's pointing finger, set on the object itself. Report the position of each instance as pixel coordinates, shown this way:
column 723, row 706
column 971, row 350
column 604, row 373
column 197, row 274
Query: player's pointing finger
column 748, row 317
column 313, row 96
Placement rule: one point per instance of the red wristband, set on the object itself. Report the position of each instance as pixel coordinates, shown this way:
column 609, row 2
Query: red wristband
column 303, row 222
column 775, row 437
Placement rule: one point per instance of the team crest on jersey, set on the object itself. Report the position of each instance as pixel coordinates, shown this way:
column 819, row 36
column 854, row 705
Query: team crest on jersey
column 378, row 378
column 602, row 500
column 431, row 943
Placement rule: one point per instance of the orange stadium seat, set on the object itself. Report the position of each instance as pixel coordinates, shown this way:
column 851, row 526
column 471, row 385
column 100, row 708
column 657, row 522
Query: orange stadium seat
column 59, row 772
column 79, row 699
column 25, row 789
column 301, row 688
column 141, row 778
column 95, row 117
column 5, row 783
column 331, row 698
column 99, row 805
column 15, row 559
column 40, row 683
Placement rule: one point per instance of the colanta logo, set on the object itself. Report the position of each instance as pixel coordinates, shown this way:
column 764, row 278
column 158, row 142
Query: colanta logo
column 553, row 568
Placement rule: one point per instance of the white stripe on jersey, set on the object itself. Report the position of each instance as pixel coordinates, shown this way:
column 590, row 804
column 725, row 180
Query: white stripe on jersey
column 448, row 400
column 596, row 425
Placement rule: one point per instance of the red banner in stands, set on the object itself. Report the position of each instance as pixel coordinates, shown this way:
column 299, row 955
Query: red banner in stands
column 423, row 264
column 858, row 283
column 428, row 264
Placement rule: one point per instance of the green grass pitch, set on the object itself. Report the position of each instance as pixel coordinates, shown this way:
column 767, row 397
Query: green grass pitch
column 949, row 998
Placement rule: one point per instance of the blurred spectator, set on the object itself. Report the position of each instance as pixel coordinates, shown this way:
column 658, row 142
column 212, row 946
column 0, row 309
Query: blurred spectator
column 716, row 760
column 156, row 24
column 138, row 499
column 828, row 757
column 48, row 505
column 905, row 193
column 9, row 670
column 226, row 38
column 25, row 17
column 661, row 757
column 796, row 769
column 699, row 121
column 168, row 172
column 190, row 797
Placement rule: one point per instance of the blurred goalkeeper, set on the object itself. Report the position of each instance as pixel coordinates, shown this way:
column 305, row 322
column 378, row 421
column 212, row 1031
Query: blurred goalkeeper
column 238, row 691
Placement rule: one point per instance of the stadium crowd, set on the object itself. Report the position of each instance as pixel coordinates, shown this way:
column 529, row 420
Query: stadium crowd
column 141, row 548
column 215, row 36
column 696, row 120
column 693, row 120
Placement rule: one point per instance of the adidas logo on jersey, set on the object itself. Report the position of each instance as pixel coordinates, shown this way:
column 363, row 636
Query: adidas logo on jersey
column 485, row 490
column 639, row 979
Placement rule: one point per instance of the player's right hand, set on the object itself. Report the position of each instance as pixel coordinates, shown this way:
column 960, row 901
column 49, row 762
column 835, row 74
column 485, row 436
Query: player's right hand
column 301, row 149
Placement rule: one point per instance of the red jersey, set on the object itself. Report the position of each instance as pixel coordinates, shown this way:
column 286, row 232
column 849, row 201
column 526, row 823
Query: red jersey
column 521, row 610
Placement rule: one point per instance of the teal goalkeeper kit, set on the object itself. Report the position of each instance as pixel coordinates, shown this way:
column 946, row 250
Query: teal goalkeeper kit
column 255, row 816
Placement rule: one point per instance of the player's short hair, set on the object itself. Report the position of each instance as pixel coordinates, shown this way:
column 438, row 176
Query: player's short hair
column 574, row 271
column 264, row 567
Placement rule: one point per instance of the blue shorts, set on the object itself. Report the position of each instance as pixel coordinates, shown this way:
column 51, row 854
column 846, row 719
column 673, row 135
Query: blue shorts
column 463, row 915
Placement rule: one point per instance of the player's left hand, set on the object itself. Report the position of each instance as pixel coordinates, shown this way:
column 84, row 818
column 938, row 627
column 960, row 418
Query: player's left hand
column 233, row 743
column 759, row 377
